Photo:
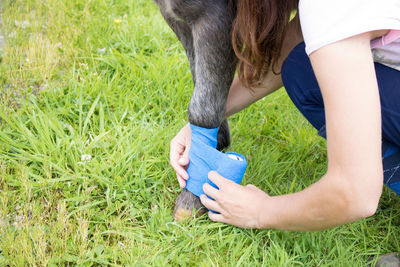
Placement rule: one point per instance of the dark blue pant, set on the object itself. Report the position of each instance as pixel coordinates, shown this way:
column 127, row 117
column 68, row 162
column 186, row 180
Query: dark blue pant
column 302, row 87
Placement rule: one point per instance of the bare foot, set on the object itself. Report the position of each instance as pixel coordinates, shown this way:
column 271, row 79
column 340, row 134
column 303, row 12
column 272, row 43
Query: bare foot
column 187, row 203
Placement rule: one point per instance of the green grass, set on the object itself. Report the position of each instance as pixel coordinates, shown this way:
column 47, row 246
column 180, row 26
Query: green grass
column 109, row 79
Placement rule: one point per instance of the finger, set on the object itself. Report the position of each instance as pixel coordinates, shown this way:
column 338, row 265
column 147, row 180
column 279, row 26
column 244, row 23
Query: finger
column 180, row 170
column 175, row 150
column 210, row 204
column 215, row 217
column 174, row 155
column 184, row 159
column 217, row 179
column 181, row 181
column 210, row 191
column 251, row 186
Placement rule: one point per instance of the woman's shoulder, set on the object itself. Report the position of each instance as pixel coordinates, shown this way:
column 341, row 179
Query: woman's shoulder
column 324, row 22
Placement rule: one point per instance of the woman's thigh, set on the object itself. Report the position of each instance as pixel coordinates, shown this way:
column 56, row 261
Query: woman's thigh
column 302, row 87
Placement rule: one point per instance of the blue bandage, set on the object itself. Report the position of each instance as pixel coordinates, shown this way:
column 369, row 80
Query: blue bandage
column 204, row 157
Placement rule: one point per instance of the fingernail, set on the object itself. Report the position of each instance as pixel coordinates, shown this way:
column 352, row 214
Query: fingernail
column 181, row 160
column 184, row 175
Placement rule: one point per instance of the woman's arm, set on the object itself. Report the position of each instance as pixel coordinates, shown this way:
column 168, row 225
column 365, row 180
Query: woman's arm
column 352, row 186
column 241, row 97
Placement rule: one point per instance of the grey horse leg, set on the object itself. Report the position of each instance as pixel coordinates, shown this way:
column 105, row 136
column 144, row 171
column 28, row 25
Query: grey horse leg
column 215, row 65
column 204, row 29
column 184, row 33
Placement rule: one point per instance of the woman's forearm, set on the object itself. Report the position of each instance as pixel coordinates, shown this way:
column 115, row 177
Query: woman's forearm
column 323, row 205
column 307, row 210
column 241, row 97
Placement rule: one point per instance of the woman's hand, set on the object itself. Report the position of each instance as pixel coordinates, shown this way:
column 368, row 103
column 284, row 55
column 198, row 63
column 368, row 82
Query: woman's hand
column 179, row 154
column 238, row 205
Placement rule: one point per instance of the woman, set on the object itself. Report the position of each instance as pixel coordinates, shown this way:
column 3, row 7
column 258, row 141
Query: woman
column 345, row 79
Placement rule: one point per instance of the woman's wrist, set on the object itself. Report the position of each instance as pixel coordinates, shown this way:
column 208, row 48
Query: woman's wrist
column 268, row 217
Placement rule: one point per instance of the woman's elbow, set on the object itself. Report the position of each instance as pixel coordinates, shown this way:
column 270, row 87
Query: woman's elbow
column 364, row 197
column 366, row 208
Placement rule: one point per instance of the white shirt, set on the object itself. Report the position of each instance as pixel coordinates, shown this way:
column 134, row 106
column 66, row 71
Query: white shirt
column 324, row 22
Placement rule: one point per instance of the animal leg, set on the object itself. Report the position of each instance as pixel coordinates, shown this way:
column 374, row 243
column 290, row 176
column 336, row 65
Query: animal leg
column 212, row 62
column 182, row 30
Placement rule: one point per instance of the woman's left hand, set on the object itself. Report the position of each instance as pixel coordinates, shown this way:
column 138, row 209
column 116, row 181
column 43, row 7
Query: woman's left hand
column 238, row 205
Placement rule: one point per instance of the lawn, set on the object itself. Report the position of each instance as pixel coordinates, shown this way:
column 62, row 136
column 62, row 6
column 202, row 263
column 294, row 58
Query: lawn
column 91, row 94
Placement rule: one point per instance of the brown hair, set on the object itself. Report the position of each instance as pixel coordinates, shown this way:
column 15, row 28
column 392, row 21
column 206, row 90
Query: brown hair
column 257, row 36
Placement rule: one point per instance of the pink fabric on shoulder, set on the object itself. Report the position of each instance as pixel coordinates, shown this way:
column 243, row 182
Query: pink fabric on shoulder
column 391, row 36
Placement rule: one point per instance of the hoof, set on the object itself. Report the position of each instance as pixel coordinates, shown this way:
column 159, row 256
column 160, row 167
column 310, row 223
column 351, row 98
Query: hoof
column 187, row 205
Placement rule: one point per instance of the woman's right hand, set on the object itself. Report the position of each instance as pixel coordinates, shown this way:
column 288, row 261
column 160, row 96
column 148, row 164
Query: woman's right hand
column 179, row 154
